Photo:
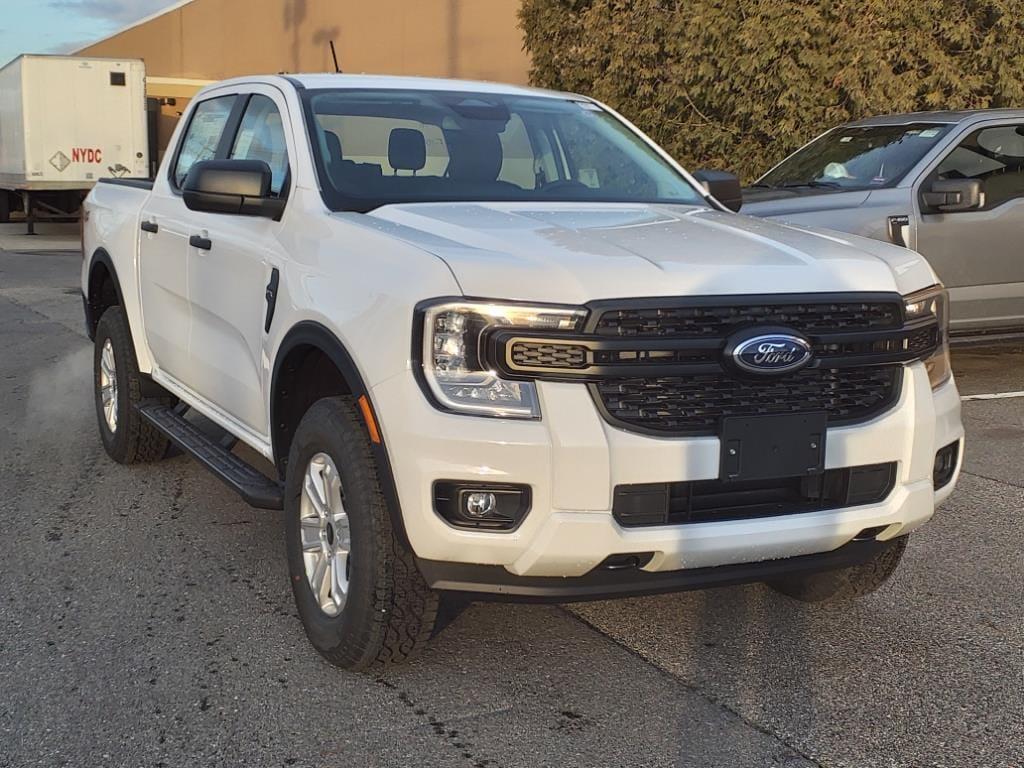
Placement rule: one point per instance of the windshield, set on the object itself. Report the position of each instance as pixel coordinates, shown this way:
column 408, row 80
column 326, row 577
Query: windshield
column 374, row 147
column 856, row 158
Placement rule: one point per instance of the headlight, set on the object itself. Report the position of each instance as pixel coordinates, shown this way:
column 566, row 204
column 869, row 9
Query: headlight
column 933, row 302
column 452, row 363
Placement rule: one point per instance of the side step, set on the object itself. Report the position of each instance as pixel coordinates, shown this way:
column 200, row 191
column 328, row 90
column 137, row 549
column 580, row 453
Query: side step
column 253, row 486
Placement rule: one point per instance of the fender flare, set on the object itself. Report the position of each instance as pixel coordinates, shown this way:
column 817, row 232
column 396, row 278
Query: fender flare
column 312, row 333
column 99, row 256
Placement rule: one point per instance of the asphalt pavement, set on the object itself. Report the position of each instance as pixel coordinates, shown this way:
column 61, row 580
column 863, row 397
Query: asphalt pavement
column 146, row 620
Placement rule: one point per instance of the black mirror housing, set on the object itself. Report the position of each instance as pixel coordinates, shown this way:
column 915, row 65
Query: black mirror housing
column 240, row 187
column 722, row 186
column 950, row 195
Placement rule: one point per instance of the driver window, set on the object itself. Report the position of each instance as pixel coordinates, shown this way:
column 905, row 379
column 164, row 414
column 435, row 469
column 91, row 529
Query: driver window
column 261, row 137
column 995, row 156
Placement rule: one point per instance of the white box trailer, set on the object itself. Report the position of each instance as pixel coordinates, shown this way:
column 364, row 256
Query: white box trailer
column 66, row 121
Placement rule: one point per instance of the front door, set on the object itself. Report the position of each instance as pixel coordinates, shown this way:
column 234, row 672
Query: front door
column 979, row 254
column 230, row 262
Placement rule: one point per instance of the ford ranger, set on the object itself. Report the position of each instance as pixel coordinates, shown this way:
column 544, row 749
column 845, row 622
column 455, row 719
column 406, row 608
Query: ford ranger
column 494, row 342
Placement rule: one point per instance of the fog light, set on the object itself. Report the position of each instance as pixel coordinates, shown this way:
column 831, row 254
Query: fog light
column 495, row 507
column 945, row 465
column 480, row 504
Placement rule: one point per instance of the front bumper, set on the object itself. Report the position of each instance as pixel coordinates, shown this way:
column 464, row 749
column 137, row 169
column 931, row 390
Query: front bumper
column 573, row 459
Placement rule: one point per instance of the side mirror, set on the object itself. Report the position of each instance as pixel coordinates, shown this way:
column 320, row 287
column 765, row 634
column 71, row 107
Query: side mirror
column 722, row 186
column 948, row 195
column 241, row 187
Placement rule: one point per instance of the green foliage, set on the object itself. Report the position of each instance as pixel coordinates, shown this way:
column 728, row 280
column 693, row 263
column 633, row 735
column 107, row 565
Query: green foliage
column 739, row 84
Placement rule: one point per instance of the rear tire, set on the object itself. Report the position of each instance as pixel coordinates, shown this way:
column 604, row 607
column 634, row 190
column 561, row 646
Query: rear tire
column 845, row 583
column 118, row 389
column 368, row 604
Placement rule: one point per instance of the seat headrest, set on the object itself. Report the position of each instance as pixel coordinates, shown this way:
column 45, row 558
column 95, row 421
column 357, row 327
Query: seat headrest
column 407, row 149
column 474, row 155
column 333, row 145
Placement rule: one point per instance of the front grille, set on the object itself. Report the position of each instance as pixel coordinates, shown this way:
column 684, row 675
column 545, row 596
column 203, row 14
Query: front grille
column 693, row 405
column 720, row 321
column 539, row 354
column 703, row 501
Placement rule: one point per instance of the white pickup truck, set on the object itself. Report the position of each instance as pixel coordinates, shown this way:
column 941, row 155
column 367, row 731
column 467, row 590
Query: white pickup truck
column 494, row 341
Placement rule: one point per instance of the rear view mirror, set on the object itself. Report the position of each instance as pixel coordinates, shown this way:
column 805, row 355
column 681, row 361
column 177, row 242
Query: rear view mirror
column 722, row 186
column 948, row 195
column 241, row 187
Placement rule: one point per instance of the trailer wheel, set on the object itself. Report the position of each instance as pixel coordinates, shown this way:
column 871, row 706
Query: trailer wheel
column 5, row 207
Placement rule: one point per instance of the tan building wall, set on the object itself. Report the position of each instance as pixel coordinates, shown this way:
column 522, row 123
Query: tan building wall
column 208, row 40
column 215, row 39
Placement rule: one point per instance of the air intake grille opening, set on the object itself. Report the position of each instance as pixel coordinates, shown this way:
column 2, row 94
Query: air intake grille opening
column 703, row 501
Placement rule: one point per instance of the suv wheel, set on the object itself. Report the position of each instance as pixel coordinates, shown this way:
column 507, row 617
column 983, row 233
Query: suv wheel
column 360, row 596
column 118, row 389
column 845, row 583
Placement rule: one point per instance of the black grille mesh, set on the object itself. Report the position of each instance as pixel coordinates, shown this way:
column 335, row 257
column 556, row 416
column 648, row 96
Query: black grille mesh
column 531, row 354
column 696, row 404
column 704, row 322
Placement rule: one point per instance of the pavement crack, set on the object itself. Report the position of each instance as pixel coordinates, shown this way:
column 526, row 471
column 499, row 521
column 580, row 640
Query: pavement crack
column 1000, row 481
column 442, row 729
column 696, row 690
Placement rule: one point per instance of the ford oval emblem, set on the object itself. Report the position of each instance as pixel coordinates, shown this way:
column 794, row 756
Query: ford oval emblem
column 772, row 353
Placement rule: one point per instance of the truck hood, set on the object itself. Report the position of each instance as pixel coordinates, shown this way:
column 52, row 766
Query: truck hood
column 758, row 201
column 574, row 253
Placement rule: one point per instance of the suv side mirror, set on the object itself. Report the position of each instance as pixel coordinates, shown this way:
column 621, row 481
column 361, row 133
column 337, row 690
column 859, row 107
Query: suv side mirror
column 241, row 187
column 722, row 186
column 948, row 195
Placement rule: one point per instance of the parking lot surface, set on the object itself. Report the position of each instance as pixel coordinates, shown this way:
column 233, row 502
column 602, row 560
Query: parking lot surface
column 146, row 620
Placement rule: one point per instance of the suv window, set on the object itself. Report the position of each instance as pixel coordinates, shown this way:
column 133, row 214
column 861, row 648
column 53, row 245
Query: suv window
column 261, row 137
column 202, row 135
column 993, row 155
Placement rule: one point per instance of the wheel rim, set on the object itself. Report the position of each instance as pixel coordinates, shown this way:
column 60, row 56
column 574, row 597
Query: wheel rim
column 108, row 385
column 325, row 534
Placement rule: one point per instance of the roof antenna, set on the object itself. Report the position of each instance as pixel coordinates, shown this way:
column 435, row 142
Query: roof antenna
column 334, row 56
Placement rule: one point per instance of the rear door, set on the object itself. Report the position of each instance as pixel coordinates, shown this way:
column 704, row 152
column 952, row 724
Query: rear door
column 978, row 254
column 232, row 267
column 163, row 242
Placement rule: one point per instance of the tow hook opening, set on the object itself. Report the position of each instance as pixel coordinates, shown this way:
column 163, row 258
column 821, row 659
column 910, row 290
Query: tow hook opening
column 870, row 533
column 625, row 562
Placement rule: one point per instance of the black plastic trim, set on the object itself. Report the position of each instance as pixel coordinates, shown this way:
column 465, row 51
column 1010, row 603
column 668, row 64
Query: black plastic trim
column 629, row 426
column 100, row 256
column 317, row 335
column 146, row 184
column 494, row 582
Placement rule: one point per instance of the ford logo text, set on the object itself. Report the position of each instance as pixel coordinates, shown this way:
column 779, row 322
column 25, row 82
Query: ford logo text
column 772, row 353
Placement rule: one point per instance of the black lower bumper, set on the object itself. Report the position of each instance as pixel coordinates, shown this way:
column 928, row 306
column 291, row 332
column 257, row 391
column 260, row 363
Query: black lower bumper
column 493, row 582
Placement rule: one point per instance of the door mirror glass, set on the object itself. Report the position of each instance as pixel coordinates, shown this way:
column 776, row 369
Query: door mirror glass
column 241, row 187
column 722, row 186
column 950, row 195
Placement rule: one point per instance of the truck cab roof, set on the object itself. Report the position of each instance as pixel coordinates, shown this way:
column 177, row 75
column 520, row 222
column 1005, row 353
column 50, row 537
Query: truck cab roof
column 950, row 117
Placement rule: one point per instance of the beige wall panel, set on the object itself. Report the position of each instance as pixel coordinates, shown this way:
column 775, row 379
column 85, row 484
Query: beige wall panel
column 214, row 39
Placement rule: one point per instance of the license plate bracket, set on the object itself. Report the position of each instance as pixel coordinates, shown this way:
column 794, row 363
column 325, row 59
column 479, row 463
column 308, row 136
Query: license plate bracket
column 772, row 446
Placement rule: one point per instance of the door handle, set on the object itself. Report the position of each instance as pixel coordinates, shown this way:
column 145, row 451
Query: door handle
column 149, row 226
column 202, row 243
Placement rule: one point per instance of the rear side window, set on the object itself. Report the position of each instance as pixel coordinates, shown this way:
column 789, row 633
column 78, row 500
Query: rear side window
column 261, row 137
column 995, row 156
column 202, row 135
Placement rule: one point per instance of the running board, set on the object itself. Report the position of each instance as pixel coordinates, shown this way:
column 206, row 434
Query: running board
column 253, row 486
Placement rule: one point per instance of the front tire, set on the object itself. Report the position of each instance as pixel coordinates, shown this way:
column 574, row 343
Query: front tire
column 844, row 583
column 117, row 390
column 360, row 596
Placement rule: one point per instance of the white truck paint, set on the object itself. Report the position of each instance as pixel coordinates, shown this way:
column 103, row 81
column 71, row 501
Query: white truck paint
column 392, row 289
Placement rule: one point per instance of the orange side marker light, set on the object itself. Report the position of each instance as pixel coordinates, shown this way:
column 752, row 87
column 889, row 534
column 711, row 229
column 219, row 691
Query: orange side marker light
column 371, row 423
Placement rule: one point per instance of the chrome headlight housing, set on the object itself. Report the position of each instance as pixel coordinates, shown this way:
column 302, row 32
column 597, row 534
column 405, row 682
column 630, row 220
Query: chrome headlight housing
column 452, row 364
column 933, row 302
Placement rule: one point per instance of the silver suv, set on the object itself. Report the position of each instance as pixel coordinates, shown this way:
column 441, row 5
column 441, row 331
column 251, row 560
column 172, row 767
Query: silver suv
column 947, row 184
